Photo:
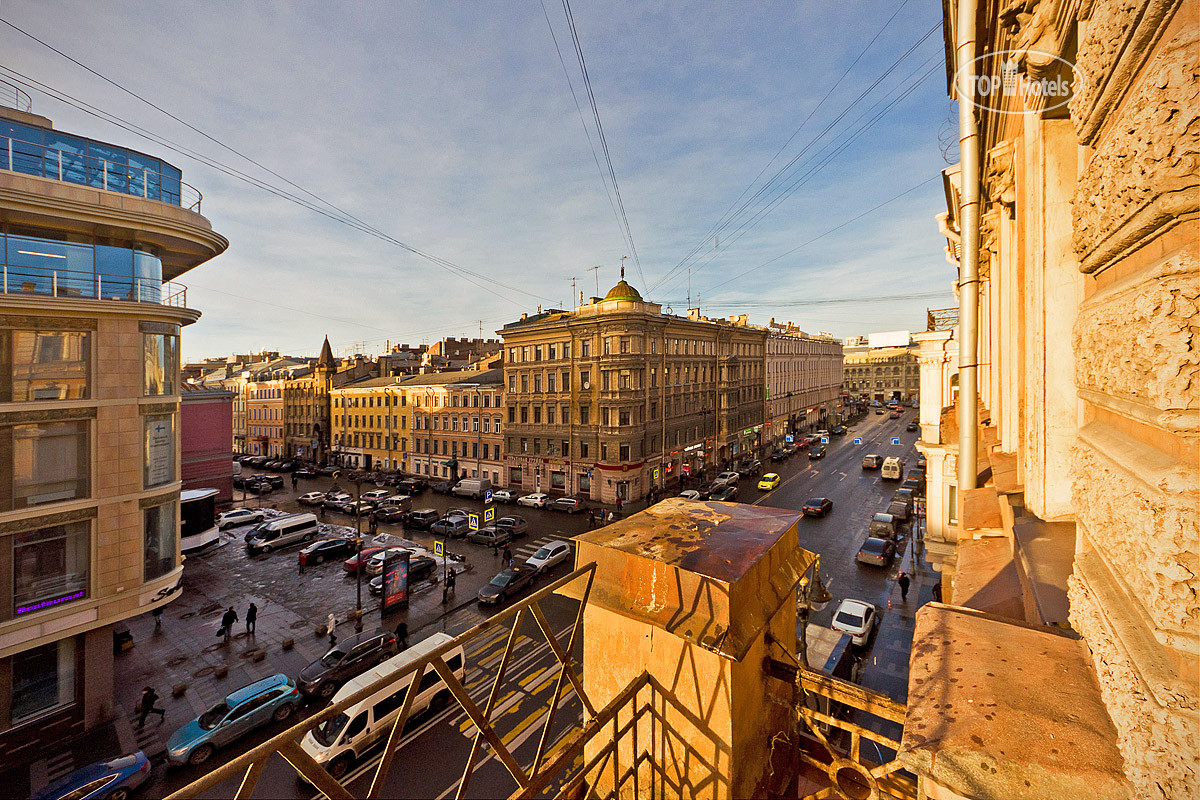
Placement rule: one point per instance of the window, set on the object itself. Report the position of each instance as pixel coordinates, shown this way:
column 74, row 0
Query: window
column 550, row 415
column 550, row 376
column 496, row 424
column 566, row 449
column 159, row 540
column 524, row 414
column 45, row 463
column 566, row 415
column 159, row 455
column 584, row 379
column 583, row 451
column 537, row 415
column 160, row 368
column 537, row 382
column 624, row 452
column 50, row 567
column 585, row 348
column 43, row 678
column 623, row 418
column 524, row 383
column 524, row 445
column 585, row 413
column 514, row 476
column 512, row 413
column 44, row 365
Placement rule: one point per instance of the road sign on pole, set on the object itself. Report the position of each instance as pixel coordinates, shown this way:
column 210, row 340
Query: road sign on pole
column 895, row 440
column 439, row 548
column 487, row 496
column 858, row 440
column 789, row 438
column 473, row 521
column 824, row 440
column 489, row 514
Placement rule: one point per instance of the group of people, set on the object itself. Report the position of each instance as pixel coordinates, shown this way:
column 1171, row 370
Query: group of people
column 230, row 618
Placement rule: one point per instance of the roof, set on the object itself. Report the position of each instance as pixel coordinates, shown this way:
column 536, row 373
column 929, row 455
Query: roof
column 488, row 376
column 326, row 358
column 246, row 692
column 623, row 291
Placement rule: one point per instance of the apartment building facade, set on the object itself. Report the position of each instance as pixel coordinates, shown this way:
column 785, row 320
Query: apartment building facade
column 370, row 425
column 90, row 321
column 882, row 373
column 804, row 381
column 457, row 424
column 615, row 397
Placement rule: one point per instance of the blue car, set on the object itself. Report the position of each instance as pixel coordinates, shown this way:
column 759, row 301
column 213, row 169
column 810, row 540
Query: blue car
column 271, row 699
column 104, row 780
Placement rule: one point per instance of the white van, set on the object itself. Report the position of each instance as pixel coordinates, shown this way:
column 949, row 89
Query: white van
column 893, row 469
column 336, row 743
column 281, row 531
column 472, row 487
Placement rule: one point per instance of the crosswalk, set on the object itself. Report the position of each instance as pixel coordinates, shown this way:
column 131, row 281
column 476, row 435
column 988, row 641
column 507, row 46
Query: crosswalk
column 527, row 549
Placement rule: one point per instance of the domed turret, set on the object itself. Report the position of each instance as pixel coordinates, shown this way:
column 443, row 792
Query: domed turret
column 623, row 291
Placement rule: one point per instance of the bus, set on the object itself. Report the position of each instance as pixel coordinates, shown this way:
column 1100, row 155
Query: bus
column 197, row 519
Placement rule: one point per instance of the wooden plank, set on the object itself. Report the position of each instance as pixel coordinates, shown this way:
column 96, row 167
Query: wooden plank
column 250, row 779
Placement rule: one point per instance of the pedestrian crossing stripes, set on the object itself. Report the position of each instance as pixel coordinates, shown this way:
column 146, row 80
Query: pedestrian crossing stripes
column 522, row 553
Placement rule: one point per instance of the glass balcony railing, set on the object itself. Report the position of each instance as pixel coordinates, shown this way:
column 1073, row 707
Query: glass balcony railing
column 47, row 153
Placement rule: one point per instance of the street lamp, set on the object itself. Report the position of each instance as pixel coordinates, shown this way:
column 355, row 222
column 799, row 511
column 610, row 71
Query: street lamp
column 358, row 612
column 812, row 596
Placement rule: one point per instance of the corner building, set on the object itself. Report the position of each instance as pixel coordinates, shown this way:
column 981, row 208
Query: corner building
column 614, row 397
column 92, row 236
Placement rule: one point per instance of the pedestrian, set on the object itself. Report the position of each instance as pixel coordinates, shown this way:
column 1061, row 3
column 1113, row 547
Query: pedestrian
column 294, row 480
column 611, row 518
column 903, row 580
column 507, row 554
column 300, row 558
column 251, row 618
column 322, row 512
column 330, row 624
column 937, row 592
column 495, row 549
column 157, row 619
column 373, row 524
column 402, row 635
column 620, row 503
column 227, row 620
column 450, row 579
column 148, row 705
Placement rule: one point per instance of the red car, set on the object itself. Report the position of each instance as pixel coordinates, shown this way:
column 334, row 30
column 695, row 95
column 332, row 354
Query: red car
column 351, row 563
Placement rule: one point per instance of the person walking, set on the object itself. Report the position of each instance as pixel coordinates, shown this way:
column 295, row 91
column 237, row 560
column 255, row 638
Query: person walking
column 904, row 581
column 373, row 524
column 402, row 635
column 294, row 480
column 937, row 592
column 620, row 504
column 149, row 705
column 321, row 511
column 450, row 579
column 227, row 621
column 507, row 555
column 157, row 613
column 330, row 624
column 251, row 618
column 611, row 518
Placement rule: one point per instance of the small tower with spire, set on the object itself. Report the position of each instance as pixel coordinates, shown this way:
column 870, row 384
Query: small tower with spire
column 323, row 374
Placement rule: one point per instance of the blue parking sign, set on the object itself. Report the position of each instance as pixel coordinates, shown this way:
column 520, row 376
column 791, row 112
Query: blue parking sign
column 895, row 440
column 487, row 496
column 824, row 440
column 858, row 440
column 789, row 438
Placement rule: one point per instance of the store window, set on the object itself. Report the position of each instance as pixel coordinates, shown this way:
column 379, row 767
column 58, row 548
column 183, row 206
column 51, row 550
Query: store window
column 43, row 463
column 50, row 567
column 43, row 679
column 44, row 365
column 160, row 369
column 159, row 450
column 159, row 540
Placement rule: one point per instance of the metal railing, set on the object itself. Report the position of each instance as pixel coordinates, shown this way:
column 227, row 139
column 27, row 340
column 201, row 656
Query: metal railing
column 30, row 158
column 14, row 97
column 33, row 281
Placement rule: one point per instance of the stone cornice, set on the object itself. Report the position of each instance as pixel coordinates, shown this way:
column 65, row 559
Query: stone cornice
column 35, row 415
column 47, row 520
column 32, row 322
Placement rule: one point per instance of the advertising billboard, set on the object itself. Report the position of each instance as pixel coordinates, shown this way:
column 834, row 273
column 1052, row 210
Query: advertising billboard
column 889, row 339
column 395, row 583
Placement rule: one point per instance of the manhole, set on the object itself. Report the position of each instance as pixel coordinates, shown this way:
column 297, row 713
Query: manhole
column 176, row 661
column 187, row 615
column 210, row 607
column 200, row 673
column 213, row 614
column 298, row 624
column 213, row 647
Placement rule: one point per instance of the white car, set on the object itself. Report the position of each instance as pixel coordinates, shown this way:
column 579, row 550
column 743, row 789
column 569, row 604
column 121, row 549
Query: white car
column 549, row 555
column 239, row 516
column 504, row 496
column 728, row 478
column 311, row 499
column 537, row 500
column 690, row 494
column 375, row 562
column 855, row 618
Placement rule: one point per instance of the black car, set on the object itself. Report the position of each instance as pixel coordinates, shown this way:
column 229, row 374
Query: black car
column 567, row 504
column 286, row 466
column 778, row 455
column 419, row 569
column 816, row 451
column 516, row 526
column 255, row 486
column 443, row 487
column 274, row 480
column 305, row 472
column 411, row 486
column 351, row 657
column 326, row 549
column 391, row 514
column 817, row 507
column 748, row 468
column 422, row 519
column 912, row 426
column 507, row 583
column 726, row 494
column 838, row 430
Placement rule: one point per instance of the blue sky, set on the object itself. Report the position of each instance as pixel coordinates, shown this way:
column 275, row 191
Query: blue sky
column 451, row 127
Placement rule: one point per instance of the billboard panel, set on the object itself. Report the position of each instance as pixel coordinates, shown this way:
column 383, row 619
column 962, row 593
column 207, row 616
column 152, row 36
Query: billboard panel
column 395, row 583
column 889, row 339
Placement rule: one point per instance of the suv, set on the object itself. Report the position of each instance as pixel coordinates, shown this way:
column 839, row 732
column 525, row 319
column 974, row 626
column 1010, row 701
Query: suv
column 375, row 496
column 567, row 504
column 872, row 461
column 410, row 486
column 351, row 657
column 238, row 516
column 422, row 519
column 489, row 535
column 749, row 468
column 516, row 526
column 271, row 699
column 453, row 527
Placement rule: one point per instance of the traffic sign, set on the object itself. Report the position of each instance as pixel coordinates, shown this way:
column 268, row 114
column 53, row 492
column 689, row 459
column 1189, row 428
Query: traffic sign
column 654, row 473
column 858, row 440
column 789, row 438
column 439, row 548
column 895, row 440
column 824, row 440
column 489, row 514
column 473, row 521
column 487, row 496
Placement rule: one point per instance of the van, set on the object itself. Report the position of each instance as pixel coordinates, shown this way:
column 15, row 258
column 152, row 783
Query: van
column 338, row 742
column 893, row 469
column 280, row 532
column 472, row 487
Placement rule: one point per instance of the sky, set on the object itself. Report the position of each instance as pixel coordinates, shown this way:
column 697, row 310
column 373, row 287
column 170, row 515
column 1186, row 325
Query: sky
column 451, row 129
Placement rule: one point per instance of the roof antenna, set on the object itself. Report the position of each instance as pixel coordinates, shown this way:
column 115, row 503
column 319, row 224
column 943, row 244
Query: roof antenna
column 623, row 266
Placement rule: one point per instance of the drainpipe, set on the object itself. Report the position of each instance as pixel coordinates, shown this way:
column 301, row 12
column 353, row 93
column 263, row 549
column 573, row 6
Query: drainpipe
column 968, row 271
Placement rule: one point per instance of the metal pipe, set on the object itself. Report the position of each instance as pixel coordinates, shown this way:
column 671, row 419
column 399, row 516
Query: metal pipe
column 968, row 269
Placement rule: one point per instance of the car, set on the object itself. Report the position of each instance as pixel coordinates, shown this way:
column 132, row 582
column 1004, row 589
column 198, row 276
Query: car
column 707, row 492
column 419, row 569
column 790, row 448
column 905, row 496
column 391, row 514
column 856, row 618
column 504, row 496
column 275, row 480
column 690, row 494
column 311, row 499
column 816, row 452
column 876, row 552
column 917, row 486
column 258, row 487
column 727, row 494
column 422, row 519
column 113, row 779
column 349, row 658
column 749, row 468
column 567, row 504
column 411, row 486
column 374, row 564
column 335, row 500
column 443, row 487
column 454, row 527
column 516, row 526
column 549, row 555
column 912, row 426
column 727, row 479
column 768, row 482
column 490, row 536
column 375, row 496
column 817, row 507
column 894, row 415
column 272, row 699
column 507, row 583
column 838, row 430
column 360, row 508
column 325, row 549
column 457, row 513
column 778, row 455
column 305, row 472
column 535, row 500
column 239, row 516
column 244, row 459
column 286, row 466
column 351, row 564
column 885, row 526
column 900, row 510
column 879, row 411
column 872, row 461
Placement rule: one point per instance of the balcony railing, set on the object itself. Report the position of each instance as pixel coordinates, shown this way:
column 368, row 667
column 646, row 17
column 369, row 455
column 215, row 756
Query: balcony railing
column 31, row 158
column 31, row 281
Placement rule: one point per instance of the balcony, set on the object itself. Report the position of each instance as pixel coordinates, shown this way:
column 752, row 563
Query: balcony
column 76, row 285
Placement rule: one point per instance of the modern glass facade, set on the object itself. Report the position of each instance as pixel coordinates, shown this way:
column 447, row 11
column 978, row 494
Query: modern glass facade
column 44, row 266
column 47, row 153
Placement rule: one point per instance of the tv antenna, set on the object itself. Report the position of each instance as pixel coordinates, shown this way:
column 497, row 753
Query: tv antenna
column 596, row 271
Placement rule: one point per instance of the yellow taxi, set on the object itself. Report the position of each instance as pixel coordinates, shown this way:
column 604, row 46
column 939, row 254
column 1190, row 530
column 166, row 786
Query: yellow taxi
column 768, row 482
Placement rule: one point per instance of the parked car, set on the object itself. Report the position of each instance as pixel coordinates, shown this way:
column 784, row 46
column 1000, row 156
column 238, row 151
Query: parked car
column 375, row 496
column 877, row 552
column 504, row 496
column 567, row 504
column 351, row 563
column 392, row 514
column 749, row 468
column 421, row 519
column 375, row 562
column 239, row 516
column 452, row 527
column 419, row 569
column 335, row 500
column 350, row 657
column 324, row 550
column 817, row 507
column 281, row 532
column 286, row 466
column 489, row 535
column 900, row 510
column 726, row 494
column 691, row 494
column 360, row 508
column 778, row 455
column 248, row 708
column 535, row 500
column 276, row 481
column 517, row 527
column 727, row 479
column 508, row 583
column 442, row 487
column 917, row 486
column 768, row 482
column 884, row 525
column 257, row 487
column 305, row 472
column 905, row 496
column 879, row 411
column 856, row 618
column 816, row 452
column 472, row 487
column 549, row 555
column 311, row 499
column 912, row 426
column 410, row 486
column 456, row 513
column 789, row 449
column 114, row 779
column 872, row 461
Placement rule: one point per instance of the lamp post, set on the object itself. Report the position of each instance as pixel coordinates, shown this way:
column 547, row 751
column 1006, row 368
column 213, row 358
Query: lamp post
column 358, row 612
column 812, row 596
